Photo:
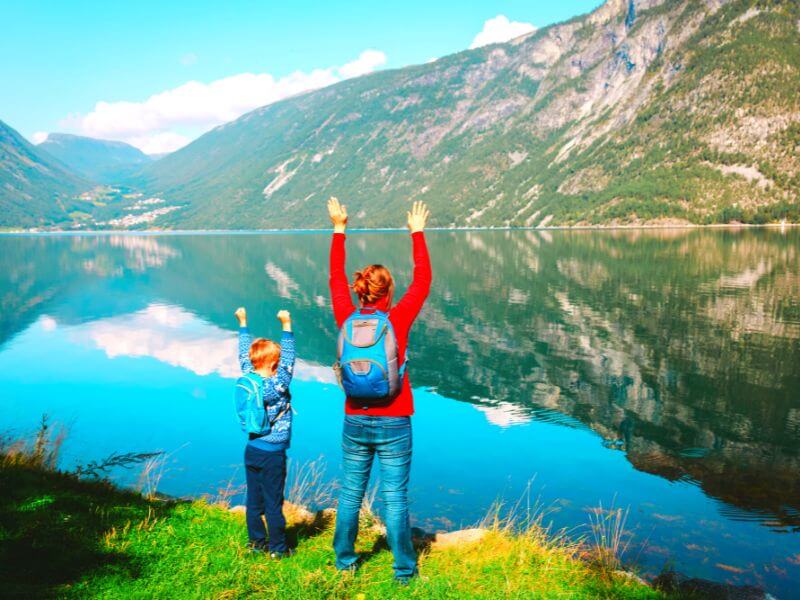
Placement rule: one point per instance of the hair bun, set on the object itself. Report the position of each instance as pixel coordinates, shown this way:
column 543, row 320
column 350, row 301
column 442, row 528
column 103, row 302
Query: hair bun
column 373, row 284
column 360, row 285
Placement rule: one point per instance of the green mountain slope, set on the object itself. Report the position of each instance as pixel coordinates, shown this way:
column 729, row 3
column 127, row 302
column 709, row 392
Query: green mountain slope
column 35, row 189
column 642, row 111
column 99, row 160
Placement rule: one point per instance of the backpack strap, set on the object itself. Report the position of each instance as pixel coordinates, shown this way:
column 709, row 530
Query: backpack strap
column 285, row 409
column 256, row 381
column 251, row 387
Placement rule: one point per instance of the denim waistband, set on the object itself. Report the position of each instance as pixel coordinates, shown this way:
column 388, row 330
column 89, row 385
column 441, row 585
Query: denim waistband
column 376, row 421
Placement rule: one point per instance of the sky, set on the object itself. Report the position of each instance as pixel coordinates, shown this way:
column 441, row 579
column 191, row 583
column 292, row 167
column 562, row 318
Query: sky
column 159, row 74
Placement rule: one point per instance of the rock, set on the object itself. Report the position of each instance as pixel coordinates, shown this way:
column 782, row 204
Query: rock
column 238, row 509
column 680, row 584
column 296, row 514
column 631, row 576
column 457, row 538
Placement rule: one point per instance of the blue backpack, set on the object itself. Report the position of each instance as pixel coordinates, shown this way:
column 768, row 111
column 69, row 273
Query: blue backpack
column 250, row 404
column 367, row 365
column 250, row 407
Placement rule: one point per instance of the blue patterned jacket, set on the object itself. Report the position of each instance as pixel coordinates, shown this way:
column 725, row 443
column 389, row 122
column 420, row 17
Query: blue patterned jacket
column 275, row 390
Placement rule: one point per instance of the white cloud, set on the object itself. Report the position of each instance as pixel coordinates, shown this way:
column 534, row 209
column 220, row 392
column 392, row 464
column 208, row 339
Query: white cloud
column 39, row 137
column 161, row 122
column 368, row 61
column 159, row 143
column 48, row 323
column 500, row 29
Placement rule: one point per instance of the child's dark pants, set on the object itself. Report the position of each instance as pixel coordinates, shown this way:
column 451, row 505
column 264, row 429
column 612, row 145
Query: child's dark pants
column 266, row 477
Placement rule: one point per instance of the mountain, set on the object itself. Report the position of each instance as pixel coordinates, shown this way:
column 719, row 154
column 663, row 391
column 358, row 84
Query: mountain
column 35, row 188
column 98, row 160
column 643, row 111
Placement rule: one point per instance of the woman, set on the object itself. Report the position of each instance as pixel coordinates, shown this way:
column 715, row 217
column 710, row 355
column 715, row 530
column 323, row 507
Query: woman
column 382, row 430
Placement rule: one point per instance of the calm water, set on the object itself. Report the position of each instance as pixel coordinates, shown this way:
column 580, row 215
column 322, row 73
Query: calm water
column 653, row 370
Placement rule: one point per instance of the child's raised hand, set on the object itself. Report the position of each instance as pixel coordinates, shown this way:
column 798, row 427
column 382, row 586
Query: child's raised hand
column 286, row 319
column 241, row 315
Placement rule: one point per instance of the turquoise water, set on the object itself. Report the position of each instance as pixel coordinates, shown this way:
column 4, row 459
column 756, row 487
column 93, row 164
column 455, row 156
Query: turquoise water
column 656, row 371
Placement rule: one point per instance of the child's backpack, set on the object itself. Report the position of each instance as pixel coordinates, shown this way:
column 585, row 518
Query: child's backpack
column 250, row 404
column 250, row 407
column 367, row 365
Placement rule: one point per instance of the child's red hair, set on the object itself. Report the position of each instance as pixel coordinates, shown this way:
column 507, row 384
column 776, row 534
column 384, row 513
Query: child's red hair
column 265, row 353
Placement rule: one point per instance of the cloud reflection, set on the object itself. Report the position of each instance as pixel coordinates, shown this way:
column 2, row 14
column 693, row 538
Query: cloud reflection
column 504, row 414
column 179, row 338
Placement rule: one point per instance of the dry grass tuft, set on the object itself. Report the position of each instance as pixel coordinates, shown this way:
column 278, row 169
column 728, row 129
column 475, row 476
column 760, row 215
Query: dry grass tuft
column 306, row 484
column 43, row 452
column 152, row 472
column 610, row 537
column 231, row 490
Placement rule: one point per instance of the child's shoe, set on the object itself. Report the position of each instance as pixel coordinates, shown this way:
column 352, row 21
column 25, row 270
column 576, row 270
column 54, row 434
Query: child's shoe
column 257, row 546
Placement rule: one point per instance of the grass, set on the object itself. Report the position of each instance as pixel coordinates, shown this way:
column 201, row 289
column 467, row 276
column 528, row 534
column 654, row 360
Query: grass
column 66, row 536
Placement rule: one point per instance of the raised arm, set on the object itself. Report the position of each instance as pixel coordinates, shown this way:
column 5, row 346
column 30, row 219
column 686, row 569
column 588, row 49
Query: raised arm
column 286, row 363
column 340, row 289
column 245, row 341
column 411, row 302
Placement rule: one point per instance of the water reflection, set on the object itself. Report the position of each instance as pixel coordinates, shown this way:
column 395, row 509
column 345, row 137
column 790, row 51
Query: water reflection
column 679, row 348
column 175, row 337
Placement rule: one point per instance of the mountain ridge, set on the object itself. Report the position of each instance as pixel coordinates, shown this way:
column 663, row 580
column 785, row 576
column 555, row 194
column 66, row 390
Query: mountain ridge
column 103, row 161
column 609, row 118
column 36, row 189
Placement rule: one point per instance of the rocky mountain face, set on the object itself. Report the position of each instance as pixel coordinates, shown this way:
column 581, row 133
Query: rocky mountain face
column 35, row 188
column 102, row 161
column 644, row 111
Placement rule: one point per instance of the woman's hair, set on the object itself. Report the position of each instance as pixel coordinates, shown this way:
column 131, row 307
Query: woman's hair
column 265, row 353
column 373, row 283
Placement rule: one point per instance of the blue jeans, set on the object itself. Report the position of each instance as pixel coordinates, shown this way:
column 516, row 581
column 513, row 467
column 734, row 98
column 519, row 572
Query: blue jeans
column 266, row 476
column 362, row 438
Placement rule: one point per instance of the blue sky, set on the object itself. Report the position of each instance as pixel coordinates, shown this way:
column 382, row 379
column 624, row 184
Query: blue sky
column 60, row 59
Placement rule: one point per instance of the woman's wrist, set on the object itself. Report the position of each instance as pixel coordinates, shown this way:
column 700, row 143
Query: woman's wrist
column 339, row 228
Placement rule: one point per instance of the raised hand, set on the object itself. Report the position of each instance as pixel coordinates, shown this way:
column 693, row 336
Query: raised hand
column 286, row 319
column 338, row 215
column 241, row 315
column 418, row 217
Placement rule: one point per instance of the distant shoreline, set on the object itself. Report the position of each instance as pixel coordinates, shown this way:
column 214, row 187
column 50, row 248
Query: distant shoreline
column 77, row 232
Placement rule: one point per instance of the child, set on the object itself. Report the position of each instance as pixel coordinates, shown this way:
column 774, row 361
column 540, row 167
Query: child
column 262, row 403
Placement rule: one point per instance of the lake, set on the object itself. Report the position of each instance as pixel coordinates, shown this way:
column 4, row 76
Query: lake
column 653, row 370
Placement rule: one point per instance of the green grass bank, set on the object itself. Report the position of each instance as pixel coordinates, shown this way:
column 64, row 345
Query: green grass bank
column 64, row 536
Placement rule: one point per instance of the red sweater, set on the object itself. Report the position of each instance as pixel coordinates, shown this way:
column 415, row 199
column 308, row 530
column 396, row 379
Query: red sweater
column 401, row 315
